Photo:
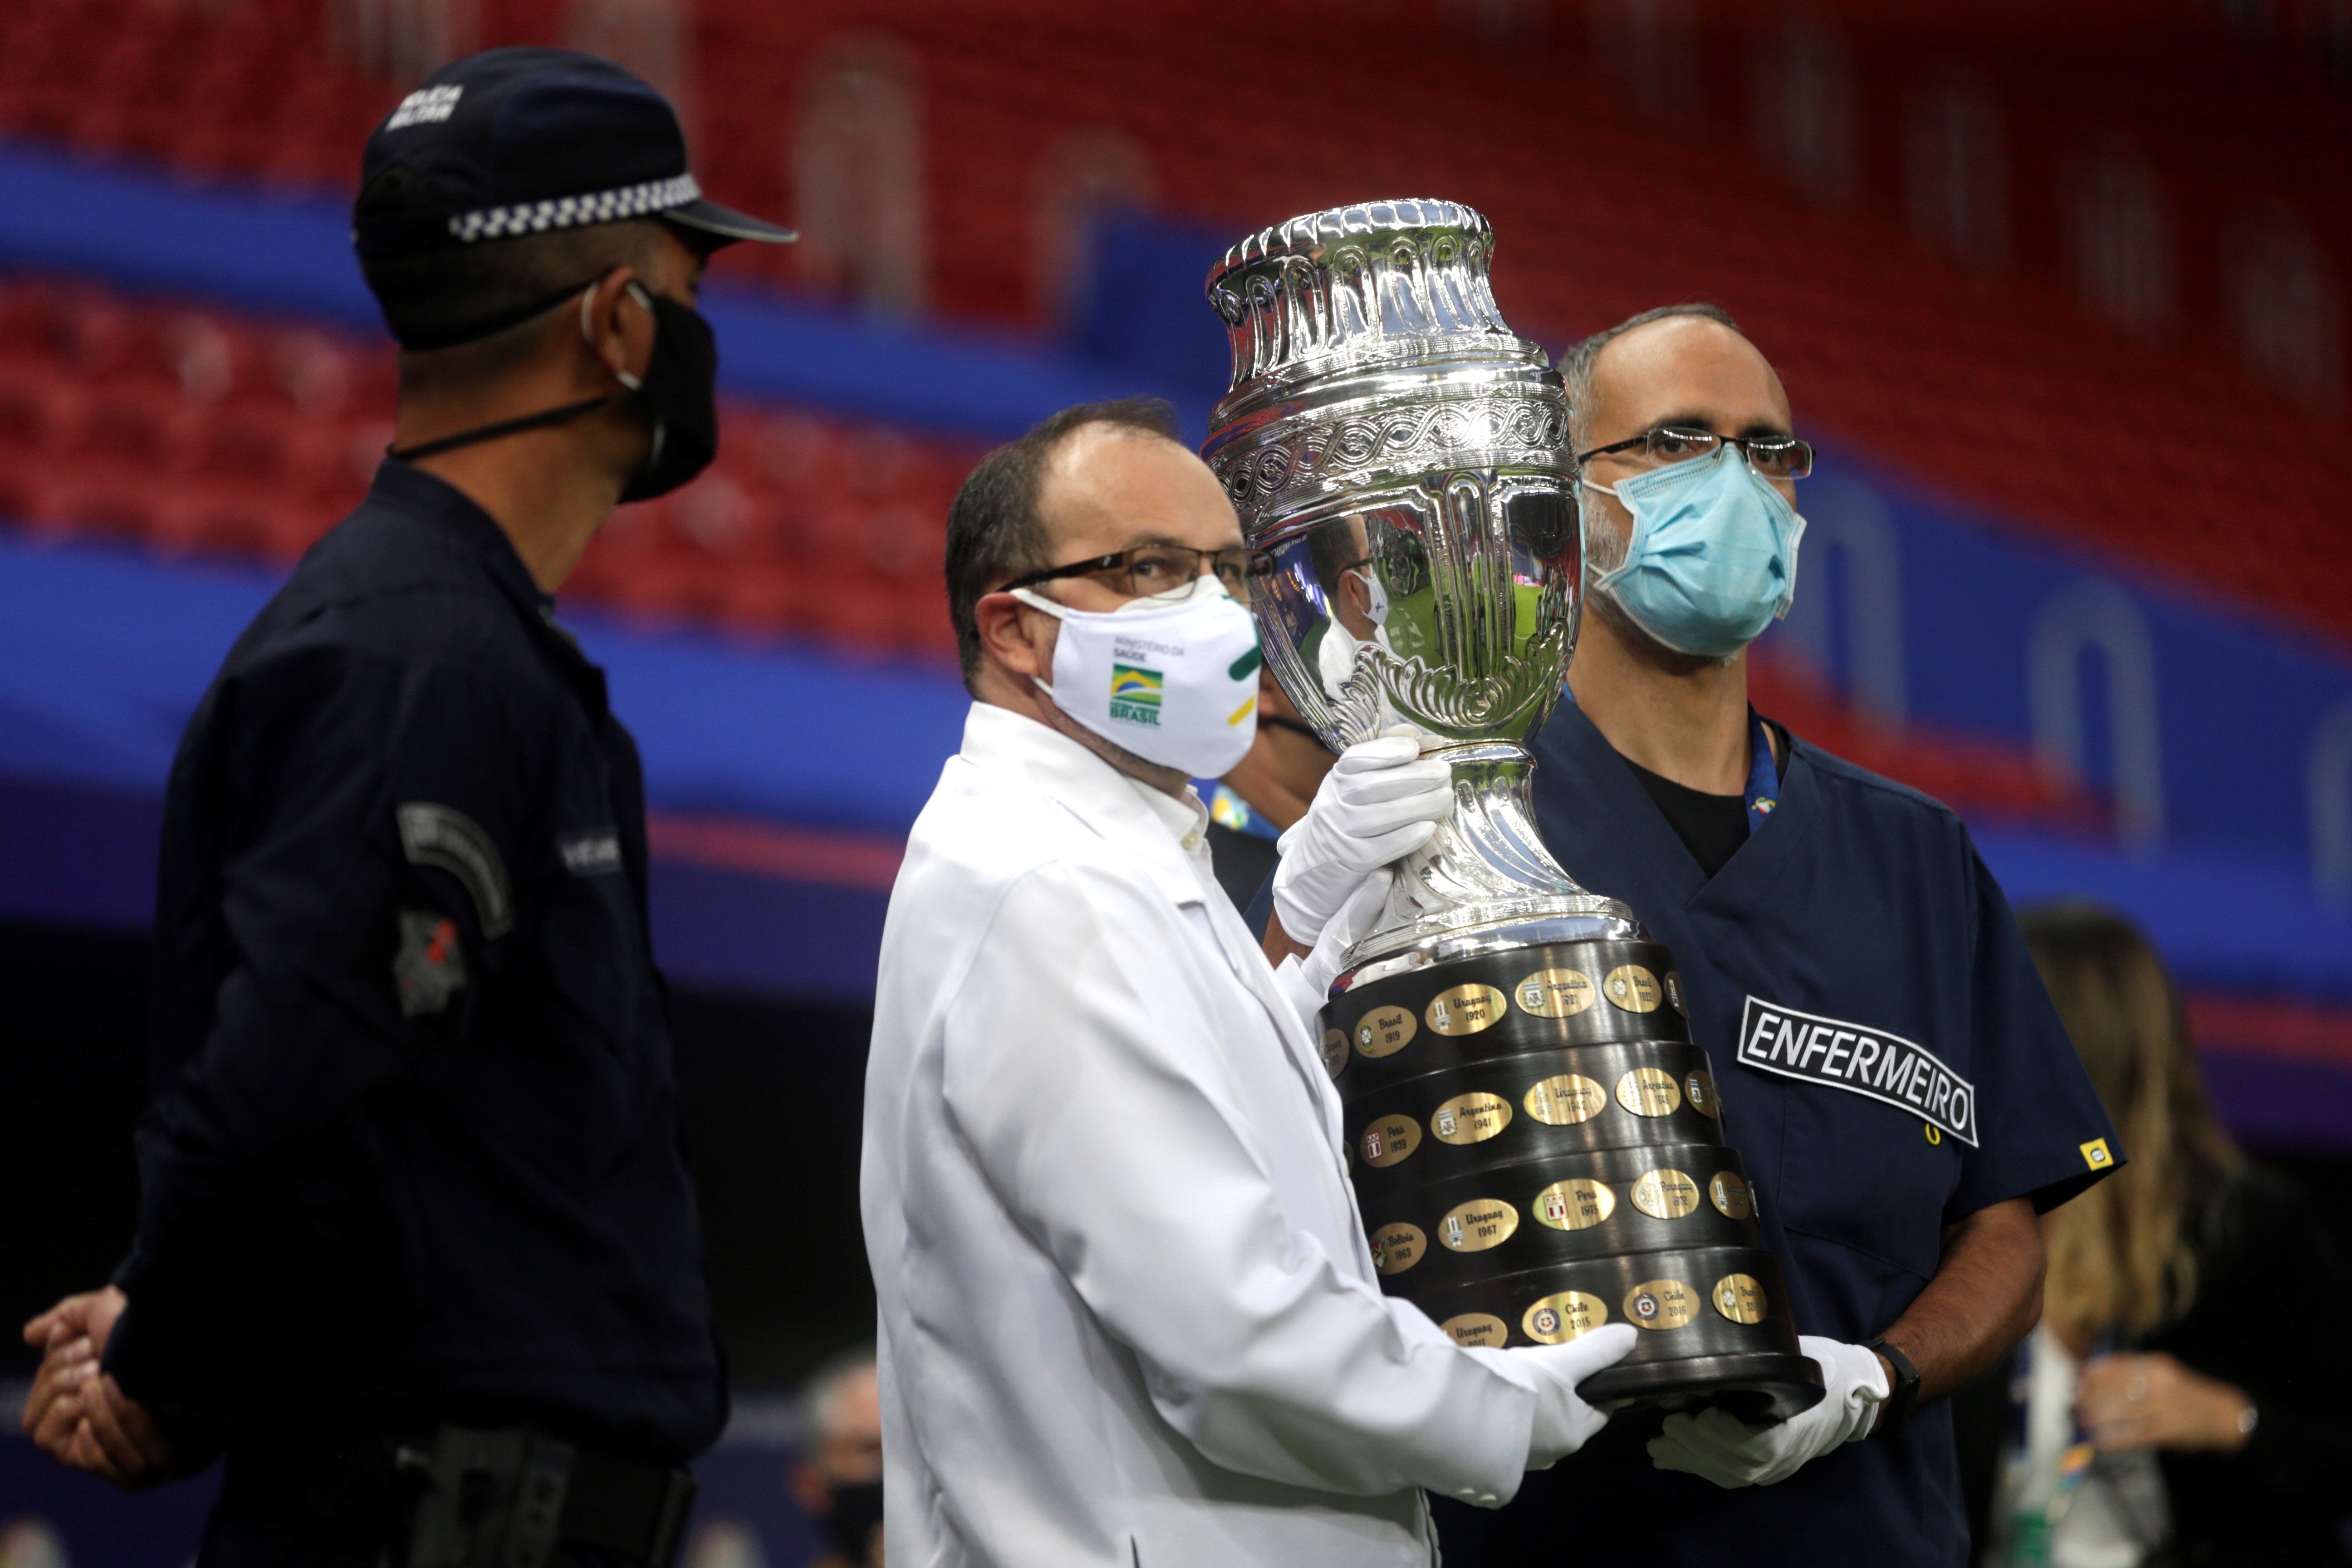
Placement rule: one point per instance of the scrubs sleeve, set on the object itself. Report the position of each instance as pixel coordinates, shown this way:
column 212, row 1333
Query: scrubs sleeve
column 1082, row 1064
column 2041, row 1133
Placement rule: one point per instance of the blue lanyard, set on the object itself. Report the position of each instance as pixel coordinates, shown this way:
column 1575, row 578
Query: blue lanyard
column 1763, row 778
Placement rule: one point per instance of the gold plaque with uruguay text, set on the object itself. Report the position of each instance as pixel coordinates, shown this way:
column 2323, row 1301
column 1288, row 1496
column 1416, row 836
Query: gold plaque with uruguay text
column 1566, row 1100
column 1729, row 1193
column 1482, row 1329
column 1477, row 1225
column 1466, row 1009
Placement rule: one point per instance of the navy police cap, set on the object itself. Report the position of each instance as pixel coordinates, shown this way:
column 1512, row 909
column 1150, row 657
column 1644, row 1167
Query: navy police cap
column 528, row 141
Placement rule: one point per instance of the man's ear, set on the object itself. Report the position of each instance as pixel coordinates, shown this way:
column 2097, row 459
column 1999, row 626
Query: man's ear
column 617, row 330
column 1015, row 636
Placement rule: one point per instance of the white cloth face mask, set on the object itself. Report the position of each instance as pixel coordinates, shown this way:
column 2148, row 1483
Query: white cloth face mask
column 1172, row 678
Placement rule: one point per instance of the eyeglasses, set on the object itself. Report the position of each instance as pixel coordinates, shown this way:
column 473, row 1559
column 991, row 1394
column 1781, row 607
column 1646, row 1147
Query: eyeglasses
column 1148, row 568
column 1774, row 457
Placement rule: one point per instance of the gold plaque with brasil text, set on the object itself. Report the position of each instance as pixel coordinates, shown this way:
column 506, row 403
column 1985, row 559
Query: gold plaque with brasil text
column 1384, row 1031
column 1633, row 987
column 1740, row 1298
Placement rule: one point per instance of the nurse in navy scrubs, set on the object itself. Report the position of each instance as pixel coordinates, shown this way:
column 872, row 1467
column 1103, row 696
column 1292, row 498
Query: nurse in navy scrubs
column 1892, row 1073
column 1900, row 1086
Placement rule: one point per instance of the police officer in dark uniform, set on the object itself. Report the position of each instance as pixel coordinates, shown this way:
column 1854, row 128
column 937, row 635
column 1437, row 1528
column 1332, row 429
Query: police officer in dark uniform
column 417, row 1244
column 1894, row 1076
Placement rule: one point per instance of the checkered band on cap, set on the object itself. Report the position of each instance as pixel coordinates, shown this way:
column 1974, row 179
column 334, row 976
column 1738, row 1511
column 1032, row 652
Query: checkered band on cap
column 571, row 212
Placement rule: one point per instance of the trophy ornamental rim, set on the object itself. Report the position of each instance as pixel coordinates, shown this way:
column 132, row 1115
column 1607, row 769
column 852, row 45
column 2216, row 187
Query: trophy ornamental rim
column 1309, row 234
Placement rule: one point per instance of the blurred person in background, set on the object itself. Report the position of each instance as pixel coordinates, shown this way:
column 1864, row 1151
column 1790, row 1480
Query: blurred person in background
column 839, row 1479
column 2187, row 1397
column 1839, row 942
column 417, row 1244
column 1129, row 1312
column 1263, row 795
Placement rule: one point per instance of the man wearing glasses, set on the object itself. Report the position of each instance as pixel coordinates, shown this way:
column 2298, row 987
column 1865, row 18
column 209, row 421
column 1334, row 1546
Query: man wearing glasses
column 1892, row 1071
column 1127, row 1314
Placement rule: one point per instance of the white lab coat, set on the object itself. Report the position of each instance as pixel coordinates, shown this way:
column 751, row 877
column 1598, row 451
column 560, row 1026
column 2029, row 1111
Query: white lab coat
column 1128, row 1317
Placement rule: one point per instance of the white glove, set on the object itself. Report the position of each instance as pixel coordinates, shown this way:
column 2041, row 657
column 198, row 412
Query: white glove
column 1719, row 1446
column 1379, row 803
column 1307, row 982
column 1564, row 1422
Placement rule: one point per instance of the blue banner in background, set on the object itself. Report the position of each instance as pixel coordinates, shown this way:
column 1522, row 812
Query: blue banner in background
column 2210, row 728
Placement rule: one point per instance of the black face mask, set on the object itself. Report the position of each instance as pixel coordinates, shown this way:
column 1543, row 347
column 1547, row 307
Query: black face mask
column 857, row 1509
column 679, row 391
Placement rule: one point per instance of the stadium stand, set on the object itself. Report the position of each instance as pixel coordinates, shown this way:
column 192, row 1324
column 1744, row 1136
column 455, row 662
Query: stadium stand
column 1983, row 364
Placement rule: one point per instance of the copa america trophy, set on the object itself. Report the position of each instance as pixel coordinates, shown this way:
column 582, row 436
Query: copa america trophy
column 1535, row 1139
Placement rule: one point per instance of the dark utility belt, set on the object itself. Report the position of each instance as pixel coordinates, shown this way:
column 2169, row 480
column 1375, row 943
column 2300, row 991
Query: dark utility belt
column 461, row 1497
column 508, row 1499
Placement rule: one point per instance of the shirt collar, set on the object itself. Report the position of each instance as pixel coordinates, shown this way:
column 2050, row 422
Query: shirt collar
column 1124, row 810
column 429, row 498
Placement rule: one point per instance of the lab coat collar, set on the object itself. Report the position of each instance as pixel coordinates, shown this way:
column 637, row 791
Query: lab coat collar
column 1093, row 792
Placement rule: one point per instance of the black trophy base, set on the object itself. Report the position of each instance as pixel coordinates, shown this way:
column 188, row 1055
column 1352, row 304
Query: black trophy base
column 1762, row 1387
column 1537, row 1148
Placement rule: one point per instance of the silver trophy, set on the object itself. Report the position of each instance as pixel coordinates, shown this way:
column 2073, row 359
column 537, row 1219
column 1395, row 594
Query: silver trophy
column 1535, row 1140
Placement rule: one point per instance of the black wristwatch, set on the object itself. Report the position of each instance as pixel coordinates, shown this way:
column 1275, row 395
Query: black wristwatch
column 1895, row 1414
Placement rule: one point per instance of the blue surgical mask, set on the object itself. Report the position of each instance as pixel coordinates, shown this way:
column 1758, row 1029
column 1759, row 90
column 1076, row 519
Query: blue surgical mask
column 1712, row 559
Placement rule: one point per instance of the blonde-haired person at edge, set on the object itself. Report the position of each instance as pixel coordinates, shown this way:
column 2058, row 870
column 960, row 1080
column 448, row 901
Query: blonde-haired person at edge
column 2187, row 1400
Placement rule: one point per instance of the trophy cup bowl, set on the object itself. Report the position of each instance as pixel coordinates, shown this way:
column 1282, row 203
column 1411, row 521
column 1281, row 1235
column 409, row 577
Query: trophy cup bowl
column 1535, row 1140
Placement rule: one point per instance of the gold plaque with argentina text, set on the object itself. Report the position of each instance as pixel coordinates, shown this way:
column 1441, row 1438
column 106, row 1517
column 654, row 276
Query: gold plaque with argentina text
column 1482, row 1329
column 1631, row 987
column 1578, row 1203
column 1466, row 1009
column 1665, row 1194
column 1555, row 992
column 1470, row 1118
column 1397, row 1247
column 1660, row 1304
column 1387, row 1141
column 1384, row 1031
column 1649, row 1091
column 1477, row 1225
column 1565, row 1100
column 1700, row 1086
column 1740, row 1298
column 1556, row 1319
column 1729, row 1193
